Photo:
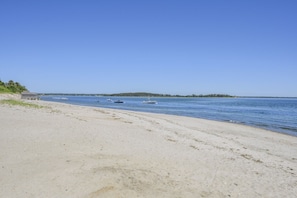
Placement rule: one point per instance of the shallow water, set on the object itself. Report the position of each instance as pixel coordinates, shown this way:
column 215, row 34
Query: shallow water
column 276, row 114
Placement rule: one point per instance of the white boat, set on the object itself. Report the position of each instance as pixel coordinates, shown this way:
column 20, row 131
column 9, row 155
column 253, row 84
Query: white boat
column 149, row 101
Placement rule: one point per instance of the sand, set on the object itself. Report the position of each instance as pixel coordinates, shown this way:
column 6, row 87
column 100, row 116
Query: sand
column 62, row 150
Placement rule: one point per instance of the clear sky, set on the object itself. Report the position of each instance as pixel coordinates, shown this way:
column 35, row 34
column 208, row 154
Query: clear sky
column 237, row 47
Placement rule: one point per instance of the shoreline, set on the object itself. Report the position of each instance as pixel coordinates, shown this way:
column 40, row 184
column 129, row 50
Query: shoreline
column 164, row 114
column 265, row 126
column 199, row 118
column 65, row 150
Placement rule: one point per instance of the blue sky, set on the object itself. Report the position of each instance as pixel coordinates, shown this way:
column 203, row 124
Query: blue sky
column 243, row 48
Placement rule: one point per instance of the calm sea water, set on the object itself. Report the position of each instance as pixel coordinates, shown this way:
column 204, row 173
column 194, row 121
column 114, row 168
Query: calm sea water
column 276, row 114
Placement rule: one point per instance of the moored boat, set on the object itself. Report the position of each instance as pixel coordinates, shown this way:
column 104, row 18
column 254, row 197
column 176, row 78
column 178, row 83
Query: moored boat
column 118, row 101
column 149, row 101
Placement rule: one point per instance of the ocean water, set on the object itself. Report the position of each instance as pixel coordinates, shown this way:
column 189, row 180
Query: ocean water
column 275, row 114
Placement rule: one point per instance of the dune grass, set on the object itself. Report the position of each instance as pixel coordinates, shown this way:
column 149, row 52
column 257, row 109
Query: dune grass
column 20, row 103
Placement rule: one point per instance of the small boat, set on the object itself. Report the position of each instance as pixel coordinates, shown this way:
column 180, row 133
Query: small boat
column 118, row 101
column 149, row 101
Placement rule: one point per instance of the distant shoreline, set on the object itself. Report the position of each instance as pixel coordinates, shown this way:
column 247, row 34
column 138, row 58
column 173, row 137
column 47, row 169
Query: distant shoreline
column 161, row 95
column 144, row 94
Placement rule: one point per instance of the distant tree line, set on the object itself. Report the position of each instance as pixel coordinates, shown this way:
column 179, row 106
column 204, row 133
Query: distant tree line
column 138, row 94
column 145, row 94
column 213, row 96
column 12, row 87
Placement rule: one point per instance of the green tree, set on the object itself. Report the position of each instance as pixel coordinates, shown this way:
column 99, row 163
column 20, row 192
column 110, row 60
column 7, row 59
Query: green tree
column 2, row 83
column 14, row 87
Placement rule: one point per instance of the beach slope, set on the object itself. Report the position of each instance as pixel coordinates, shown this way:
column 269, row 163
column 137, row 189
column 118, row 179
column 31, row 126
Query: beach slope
column 61, row 150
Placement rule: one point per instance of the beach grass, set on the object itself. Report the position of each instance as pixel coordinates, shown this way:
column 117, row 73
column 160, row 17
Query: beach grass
column 20, row 103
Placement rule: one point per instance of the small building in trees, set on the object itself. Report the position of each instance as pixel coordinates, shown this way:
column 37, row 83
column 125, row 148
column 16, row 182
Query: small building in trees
column 29, row 96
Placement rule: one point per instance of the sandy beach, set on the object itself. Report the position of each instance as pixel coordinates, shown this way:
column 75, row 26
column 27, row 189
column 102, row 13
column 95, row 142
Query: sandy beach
column 63, row 150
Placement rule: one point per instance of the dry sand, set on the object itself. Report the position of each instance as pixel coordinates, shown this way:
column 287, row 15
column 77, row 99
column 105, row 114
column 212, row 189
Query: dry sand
column 73, row 151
